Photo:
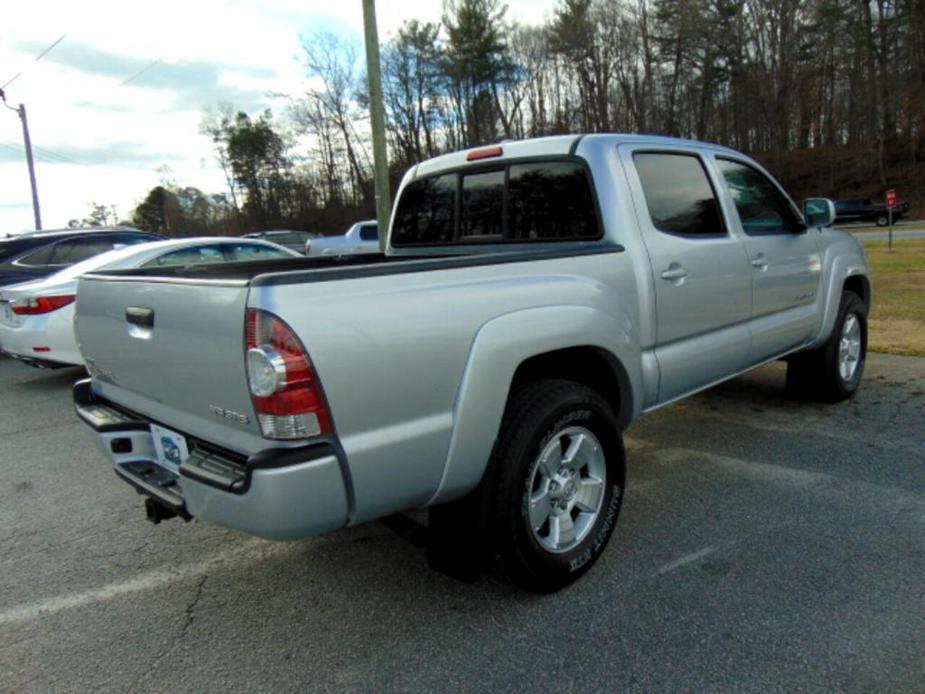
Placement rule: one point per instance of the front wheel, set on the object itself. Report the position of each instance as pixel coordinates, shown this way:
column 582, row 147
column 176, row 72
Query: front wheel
column 833, row 372
column 882, row 220
column 559, row 474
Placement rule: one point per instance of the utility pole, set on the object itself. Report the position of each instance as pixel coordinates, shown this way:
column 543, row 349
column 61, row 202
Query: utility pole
column 377, row 121
column 27, row 144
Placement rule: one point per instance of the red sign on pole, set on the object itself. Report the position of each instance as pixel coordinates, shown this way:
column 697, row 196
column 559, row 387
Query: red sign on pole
column 891, row 198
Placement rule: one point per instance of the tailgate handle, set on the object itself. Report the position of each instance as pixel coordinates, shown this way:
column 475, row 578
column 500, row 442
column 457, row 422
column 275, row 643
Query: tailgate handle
column 141, row 316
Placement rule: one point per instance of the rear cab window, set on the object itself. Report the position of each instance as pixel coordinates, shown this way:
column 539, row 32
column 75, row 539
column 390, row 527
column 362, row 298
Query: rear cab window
column 522, row 201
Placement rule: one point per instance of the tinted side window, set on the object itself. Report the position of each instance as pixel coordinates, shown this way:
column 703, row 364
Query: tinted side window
column 678, row 194
column 253, row 251
column 74, row 250
column 550, row 201
column 425, row 211
column 761, row 206
column 189, row 256
column 292, row 238
column 482, row 205
column 369, row 233
column 40, row 257
column 131, row 239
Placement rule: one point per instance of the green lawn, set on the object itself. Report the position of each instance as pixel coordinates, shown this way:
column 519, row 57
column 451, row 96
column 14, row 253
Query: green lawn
column 897, row 322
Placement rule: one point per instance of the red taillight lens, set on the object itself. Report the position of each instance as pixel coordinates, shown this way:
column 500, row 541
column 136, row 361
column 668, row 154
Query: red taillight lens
column 308, row 247
column 285, row 390
column 486, row 153
column 43, row 304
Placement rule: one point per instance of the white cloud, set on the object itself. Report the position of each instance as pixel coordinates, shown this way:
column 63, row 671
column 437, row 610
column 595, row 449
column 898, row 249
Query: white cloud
column 98, row 139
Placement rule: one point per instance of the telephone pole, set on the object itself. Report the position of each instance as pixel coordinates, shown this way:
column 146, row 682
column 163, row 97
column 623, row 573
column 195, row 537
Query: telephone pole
column 27, row 144
column 377, row 121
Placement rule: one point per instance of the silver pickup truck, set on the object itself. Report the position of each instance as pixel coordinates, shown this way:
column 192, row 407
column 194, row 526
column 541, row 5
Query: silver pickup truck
column 536, row 297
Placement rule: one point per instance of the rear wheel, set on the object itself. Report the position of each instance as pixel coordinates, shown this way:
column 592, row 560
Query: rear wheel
column 558, row 476
column 882, row 219
column 833, row 372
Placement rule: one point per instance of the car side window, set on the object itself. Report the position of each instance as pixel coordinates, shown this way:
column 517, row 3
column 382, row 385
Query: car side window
column 678, row 194
column 762, row 208
column 41, row 256
column 131, row 239
column 253, row 251
column 369, row 232
column 189, row 256
column 75, row 250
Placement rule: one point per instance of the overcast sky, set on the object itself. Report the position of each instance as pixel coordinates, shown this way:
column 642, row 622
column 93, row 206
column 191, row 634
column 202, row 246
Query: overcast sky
column 123, row 93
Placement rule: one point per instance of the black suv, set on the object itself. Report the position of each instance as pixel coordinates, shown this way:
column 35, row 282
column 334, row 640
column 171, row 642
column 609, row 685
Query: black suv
column 37, row 254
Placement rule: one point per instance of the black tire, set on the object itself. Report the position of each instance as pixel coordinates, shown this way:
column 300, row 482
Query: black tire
column 882, row 219
column 538, row 412
column 816, row 374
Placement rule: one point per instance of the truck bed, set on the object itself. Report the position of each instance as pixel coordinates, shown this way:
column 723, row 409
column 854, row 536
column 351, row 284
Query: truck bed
column 322, row 269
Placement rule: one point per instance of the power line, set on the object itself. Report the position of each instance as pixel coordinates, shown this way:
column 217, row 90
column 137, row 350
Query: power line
column 140, row 72
column 37, row 59
column 46, row 155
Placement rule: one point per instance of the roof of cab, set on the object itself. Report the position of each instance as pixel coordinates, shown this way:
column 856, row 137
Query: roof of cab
column 556, row 145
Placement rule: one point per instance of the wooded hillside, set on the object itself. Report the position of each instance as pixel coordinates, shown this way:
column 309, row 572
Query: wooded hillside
column 828, row 94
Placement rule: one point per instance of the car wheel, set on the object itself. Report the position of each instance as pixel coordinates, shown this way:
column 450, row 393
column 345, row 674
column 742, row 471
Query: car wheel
column 882, row 219
column 559, row 474
column 833, row 372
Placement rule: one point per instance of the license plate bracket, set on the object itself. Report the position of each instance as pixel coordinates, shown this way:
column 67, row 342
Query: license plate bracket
column 170, row 447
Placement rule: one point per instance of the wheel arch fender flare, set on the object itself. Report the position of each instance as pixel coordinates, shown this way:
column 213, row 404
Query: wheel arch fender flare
column 499, row 348
column 846, row 271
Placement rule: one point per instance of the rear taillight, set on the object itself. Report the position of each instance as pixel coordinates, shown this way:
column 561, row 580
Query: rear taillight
column 285, row 390
column 42, row 304
column 308, row 247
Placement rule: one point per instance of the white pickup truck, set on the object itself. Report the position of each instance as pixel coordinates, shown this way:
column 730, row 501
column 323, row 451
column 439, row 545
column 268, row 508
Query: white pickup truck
column 536, row 297
column 362, row 237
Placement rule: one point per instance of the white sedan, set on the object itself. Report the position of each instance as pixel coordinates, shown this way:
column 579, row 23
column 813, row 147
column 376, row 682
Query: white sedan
column 37, row 317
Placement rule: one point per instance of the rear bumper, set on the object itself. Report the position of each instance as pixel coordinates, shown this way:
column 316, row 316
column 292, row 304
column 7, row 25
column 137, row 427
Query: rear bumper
column 53, row 332
column 279, row 493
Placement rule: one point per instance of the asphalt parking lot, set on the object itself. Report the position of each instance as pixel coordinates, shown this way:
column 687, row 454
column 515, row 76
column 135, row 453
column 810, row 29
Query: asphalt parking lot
column 765, row 545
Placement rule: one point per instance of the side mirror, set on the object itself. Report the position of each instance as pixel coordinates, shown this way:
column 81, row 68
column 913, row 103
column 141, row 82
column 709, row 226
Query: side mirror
column 818, row 212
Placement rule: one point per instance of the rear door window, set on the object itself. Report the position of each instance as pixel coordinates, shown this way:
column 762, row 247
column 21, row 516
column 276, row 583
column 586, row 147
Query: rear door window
column 42, row 256
column 678, row 194
column 75, row 250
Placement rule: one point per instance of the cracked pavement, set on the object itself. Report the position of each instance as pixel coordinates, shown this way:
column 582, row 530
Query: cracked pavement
column 764, row 545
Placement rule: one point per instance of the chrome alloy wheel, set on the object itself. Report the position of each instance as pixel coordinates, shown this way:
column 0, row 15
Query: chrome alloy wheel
column 849, row 347
column 566, row 489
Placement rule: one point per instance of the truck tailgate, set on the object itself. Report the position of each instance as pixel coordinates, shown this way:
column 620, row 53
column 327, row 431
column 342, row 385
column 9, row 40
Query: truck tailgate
column 172, row 351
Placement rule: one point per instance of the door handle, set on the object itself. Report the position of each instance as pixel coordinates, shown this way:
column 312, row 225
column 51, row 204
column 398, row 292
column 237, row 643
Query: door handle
column 140, row 316
column 140, row 320
column 674, row 272
column 760, row 262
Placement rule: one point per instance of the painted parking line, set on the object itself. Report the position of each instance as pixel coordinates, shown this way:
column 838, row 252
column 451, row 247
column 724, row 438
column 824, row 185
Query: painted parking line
column 243, row 554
